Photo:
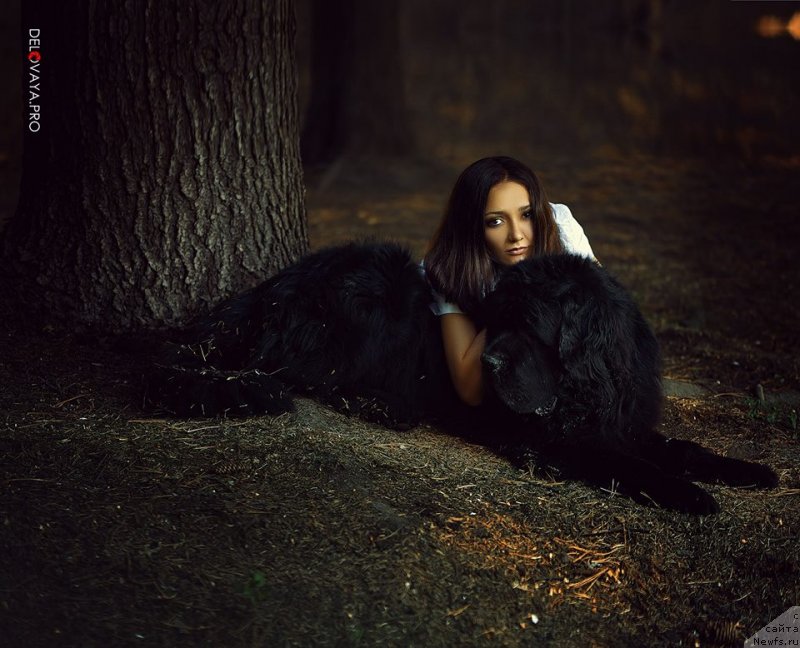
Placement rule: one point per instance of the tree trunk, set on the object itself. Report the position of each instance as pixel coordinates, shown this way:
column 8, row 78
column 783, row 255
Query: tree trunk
column 166, row 172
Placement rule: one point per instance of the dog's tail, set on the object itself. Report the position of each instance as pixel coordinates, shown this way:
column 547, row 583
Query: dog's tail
column 183, row 383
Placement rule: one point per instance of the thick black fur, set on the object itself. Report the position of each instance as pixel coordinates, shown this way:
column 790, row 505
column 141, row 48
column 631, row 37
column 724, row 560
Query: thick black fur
column 572, row 370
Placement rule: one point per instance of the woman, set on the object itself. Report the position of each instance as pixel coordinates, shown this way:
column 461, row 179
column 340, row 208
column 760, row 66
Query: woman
column 497, row 216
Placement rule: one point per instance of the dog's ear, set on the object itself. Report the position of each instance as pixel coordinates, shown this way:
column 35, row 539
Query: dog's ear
column 545, row 318
column 571, row 335
column 587, row 343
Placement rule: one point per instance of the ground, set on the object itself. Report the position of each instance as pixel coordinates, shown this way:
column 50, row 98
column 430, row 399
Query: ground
column 118, row 527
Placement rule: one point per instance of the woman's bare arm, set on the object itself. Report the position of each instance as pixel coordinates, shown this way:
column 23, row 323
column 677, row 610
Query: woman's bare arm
column 463, row 346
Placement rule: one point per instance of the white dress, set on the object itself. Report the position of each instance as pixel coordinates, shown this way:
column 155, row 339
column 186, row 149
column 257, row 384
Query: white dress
column 573, row 239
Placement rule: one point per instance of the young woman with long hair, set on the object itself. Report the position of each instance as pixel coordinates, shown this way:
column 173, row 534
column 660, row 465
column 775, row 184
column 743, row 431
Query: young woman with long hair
column 497, row 215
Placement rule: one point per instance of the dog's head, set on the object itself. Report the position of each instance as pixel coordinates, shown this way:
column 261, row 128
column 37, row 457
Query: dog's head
column 539, row 319
column 523, row 371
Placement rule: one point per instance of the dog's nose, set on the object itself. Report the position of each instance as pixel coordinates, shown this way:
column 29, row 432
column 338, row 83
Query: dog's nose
column 546, row 410
column 492, row 361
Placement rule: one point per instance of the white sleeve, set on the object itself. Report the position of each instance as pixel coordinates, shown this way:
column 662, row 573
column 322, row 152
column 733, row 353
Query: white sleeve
column 439, row 306
column 570, row 232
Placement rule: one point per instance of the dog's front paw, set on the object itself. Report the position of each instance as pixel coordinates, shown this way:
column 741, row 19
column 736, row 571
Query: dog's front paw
column 755, row 475
column 685, row 497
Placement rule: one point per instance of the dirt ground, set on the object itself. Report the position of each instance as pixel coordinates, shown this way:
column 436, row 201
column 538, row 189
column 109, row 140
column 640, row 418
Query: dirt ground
column 118, row 528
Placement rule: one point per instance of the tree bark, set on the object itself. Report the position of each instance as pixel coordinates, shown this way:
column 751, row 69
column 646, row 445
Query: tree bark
column 166, row 172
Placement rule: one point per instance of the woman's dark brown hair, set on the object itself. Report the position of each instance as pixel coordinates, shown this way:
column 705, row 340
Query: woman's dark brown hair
column 457, row 262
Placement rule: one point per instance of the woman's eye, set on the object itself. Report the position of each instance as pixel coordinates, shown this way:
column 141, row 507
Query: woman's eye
column 494, row 222
column 528, row 214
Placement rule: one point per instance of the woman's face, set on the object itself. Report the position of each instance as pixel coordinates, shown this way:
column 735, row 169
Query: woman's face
column 507, row 223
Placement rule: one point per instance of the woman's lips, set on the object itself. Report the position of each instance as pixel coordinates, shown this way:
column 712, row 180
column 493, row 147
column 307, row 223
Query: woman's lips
column 517, row 251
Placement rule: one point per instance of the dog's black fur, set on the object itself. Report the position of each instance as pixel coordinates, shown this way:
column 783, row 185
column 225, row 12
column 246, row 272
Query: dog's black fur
column 571, row 368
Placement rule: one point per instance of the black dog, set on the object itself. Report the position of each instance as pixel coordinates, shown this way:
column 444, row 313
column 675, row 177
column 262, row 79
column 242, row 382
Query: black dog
column 572, row 370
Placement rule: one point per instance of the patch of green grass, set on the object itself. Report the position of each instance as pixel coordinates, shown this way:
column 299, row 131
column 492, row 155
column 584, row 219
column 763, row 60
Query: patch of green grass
column 772, row 413
column 255, row 589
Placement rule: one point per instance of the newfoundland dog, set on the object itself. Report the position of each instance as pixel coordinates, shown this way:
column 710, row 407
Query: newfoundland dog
column 571, row 368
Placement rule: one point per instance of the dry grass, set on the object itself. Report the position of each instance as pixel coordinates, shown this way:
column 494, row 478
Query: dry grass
column 118, row 528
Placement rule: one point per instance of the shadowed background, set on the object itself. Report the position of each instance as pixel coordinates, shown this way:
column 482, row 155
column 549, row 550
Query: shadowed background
column 442, row 83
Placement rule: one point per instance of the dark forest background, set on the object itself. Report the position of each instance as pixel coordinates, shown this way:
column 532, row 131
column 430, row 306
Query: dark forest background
column 445, row 82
